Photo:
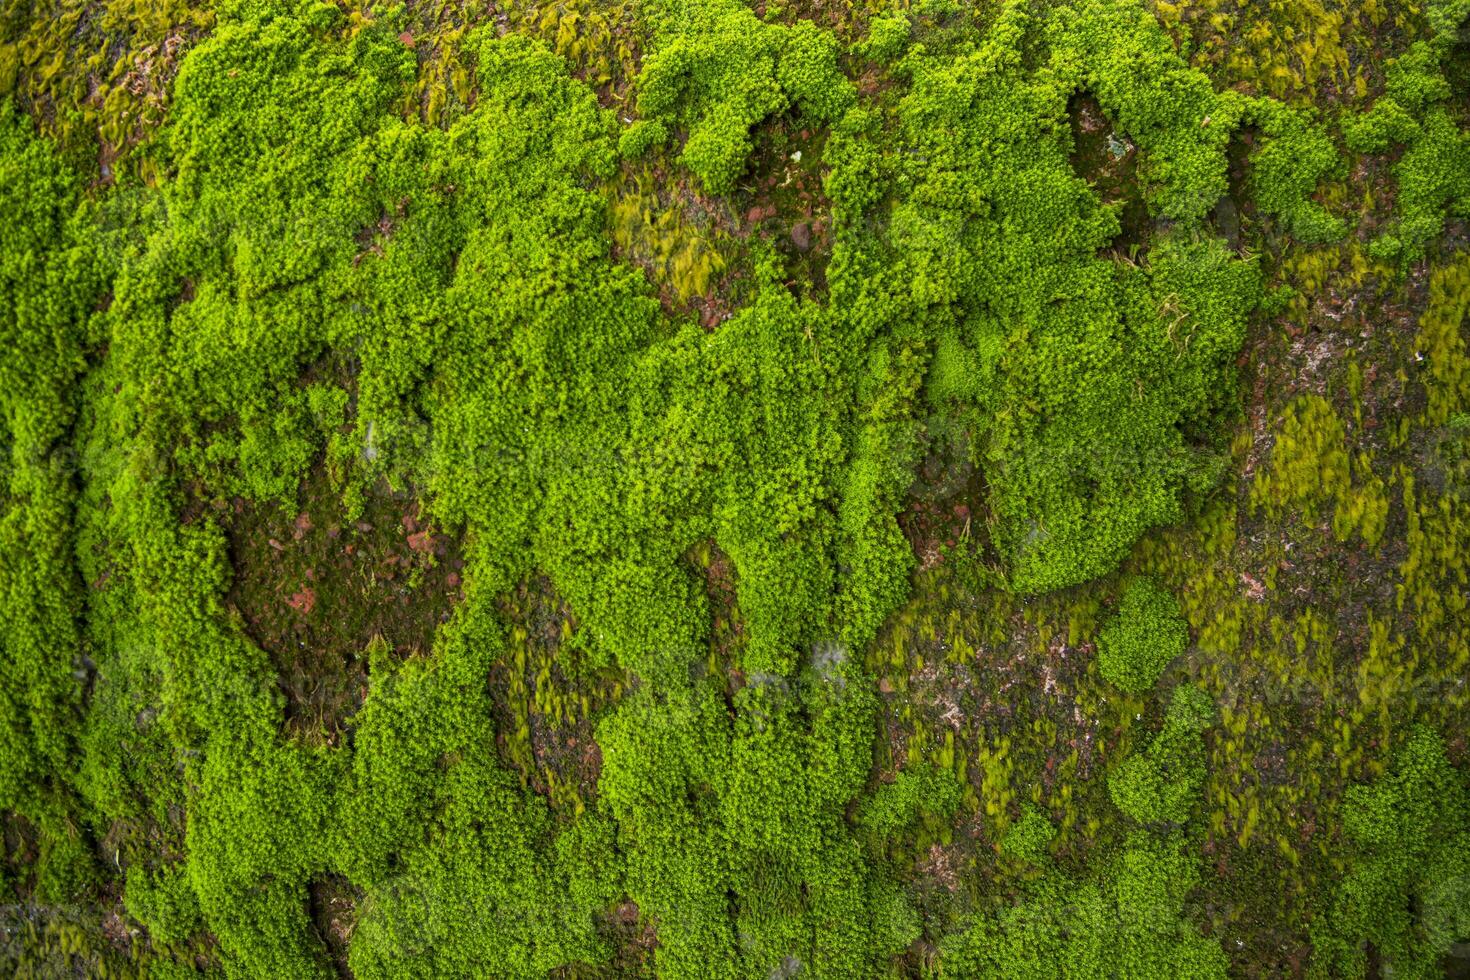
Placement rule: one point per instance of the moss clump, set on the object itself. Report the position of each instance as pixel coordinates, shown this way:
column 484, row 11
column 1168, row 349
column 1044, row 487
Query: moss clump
column 50, row 278
column 1415, row 111
column 1127, row 919
column 888, row 35
column 1028, row 838
column 1406, row 893
column 1159, row 786
column 1129, row 915
column 735, row 831
column 1143, row 637
column 1078, row 376
column 717, row 70
column 642, row 136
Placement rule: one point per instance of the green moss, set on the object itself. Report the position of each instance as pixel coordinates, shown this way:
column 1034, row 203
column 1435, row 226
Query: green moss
column 717, row 71
column 1296, row 156
column 1028, row 838
column 1129, row 915
column 983, row 342
column 737, row 846
column 888, row 35
column 1147, row 632
column 1160, row 784
column 49, row 280
column 1405, row 889
column 1056, row 347
column 165, row 902
column 1433, row 173
column 641, row 137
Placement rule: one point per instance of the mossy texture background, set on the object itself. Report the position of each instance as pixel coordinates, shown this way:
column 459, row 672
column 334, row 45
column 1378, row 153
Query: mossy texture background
column 693, row 488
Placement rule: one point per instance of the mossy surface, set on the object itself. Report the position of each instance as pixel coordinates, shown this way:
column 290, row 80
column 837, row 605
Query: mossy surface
column 706, row 489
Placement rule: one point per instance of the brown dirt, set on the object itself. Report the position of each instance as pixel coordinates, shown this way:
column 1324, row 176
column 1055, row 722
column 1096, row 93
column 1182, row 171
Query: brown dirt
column 314, row 590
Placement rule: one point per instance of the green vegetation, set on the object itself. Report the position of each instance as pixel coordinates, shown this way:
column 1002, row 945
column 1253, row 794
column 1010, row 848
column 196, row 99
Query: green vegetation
column 1126, row 918
column 47, row 278
column 707, row 489
column 1147, row 633
column 716, row 70
column 1158, row 785
column 1078, row 376
column 1407, row 889
column 1433, row 174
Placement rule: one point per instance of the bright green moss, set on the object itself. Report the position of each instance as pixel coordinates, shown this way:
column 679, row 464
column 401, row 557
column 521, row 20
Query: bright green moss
column 888, row 35
column 615, row 441
column 1296, row 156
column 1374, row 131
column 1127, row 918
column 1028, row 838
column 1129, row 914
column 502, row 362
column 642, row 136
column 291, row 279
column 165, row 902
column 1078, row 374
column 49, row 279
column 717, row 71
column 896, row 806
column 1405, row 892
column 1147, row 632
column 1433, row 174
column 737, row 846
column 1159, row 786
